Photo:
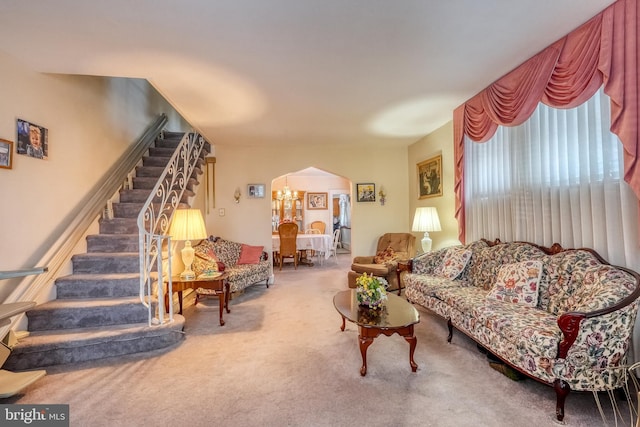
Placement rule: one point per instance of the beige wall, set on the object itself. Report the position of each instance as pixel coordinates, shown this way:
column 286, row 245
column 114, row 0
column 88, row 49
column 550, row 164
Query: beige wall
column 437, row 142
column 91, row 121
column 250, row 220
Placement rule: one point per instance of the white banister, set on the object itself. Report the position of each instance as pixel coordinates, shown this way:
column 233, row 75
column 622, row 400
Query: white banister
column 154, row 220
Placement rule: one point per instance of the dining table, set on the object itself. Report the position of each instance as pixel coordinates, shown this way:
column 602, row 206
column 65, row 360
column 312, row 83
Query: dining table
column 320, row 243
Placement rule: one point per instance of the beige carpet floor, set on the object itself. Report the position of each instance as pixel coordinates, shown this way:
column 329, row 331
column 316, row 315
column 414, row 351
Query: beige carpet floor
column 281, row 360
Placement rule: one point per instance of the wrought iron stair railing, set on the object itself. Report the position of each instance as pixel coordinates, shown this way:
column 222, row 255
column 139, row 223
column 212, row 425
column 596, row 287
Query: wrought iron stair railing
column 153, row 224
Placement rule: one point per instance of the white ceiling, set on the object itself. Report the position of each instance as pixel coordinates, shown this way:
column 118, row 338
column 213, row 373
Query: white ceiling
column 256, row 72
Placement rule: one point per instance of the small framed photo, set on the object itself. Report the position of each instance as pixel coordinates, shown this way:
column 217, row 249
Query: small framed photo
column 255, row 191
column 366, row 192
column 33, row 140
column 317, row 201
column 430, row 178
column 6, row 154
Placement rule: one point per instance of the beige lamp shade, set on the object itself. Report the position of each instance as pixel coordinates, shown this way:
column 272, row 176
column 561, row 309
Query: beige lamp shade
column 426, row 219
column 187, row 225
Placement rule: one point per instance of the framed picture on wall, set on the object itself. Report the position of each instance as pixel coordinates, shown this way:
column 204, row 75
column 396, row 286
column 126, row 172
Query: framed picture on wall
column 366, row 192
column 317, row 201
column 6, row 154
column 430, row 177
column 33, row 140
column 255, row 191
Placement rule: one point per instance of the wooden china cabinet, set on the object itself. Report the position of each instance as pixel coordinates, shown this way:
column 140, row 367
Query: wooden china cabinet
column 287, row 210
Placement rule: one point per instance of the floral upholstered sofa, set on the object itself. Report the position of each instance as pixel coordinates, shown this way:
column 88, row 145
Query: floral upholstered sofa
column 562, row 317
column 245, row 264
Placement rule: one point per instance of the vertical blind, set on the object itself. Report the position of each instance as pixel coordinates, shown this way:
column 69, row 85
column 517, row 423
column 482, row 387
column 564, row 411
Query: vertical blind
column 557, row 178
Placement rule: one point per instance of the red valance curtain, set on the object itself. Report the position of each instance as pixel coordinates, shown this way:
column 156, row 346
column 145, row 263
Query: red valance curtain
column 602, row 51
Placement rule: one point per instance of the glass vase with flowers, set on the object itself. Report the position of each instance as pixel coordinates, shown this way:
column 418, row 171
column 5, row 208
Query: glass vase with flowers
column 371, row 291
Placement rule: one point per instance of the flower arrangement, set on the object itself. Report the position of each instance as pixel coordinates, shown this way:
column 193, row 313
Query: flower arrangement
column 371, row 291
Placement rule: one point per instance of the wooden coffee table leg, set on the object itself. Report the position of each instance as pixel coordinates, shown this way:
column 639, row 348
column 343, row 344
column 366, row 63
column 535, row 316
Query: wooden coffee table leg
column 365, row 342
column 412, row 346
column 342, row 327
column 407, row 334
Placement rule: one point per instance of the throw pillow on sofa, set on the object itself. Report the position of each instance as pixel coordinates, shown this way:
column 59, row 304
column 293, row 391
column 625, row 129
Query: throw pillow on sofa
column 453, row 263
column 250, row 254
column 205, row 259
column 518, row 283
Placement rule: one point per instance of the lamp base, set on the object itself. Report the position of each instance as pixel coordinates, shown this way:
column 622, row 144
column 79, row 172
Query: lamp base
column 187, row 275
column 426, row 242
column 187, row 259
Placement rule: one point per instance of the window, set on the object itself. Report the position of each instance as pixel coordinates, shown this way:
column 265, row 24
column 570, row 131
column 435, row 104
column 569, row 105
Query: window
column 555, row 178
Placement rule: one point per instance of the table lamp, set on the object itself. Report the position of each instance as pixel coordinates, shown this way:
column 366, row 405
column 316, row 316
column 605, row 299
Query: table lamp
column 187, row 225
column 426, row 219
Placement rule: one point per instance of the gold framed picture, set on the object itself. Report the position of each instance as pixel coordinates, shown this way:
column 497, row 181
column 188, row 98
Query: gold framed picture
column 317, row 201
column 366, row 192
column 430, row 177
column 6, row 154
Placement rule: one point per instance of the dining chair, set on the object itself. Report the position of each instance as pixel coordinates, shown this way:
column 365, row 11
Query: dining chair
column 288, row 232
column 334, row 245
column 319, row 225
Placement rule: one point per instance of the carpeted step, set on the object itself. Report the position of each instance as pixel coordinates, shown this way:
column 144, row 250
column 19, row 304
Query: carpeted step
column 49, row 348
column 154, row 171
column 134, row 196
column 105, row 263
column 113, row 242
column 168, row 143
column 98, row 286
column 161, row 152
column 168, row 134
column 118, row 226
column 140, row 196
column 86, row 313
column 147, row 183
column 158, row 162
column 127, row 210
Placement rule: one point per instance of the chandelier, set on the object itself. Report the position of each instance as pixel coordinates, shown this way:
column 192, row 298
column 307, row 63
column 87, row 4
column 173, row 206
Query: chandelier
column 286, row 193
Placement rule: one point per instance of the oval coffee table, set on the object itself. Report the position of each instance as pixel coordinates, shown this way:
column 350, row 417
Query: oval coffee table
column 396, row 317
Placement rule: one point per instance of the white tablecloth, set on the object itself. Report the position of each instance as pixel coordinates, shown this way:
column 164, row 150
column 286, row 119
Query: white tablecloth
column 317, row 242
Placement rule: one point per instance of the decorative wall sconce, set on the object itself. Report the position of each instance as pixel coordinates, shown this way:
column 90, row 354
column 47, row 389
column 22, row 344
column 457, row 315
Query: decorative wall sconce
column 236, row 195
column 383, row 196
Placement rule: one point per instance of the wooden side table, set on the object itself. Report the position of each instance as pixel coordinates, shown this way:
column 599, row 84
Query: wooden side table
column 404, row 265
column 218, row 285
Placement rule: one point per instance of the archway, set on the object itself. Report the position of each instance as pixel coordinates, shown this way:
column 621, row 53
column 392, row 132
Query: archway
column 317, row 190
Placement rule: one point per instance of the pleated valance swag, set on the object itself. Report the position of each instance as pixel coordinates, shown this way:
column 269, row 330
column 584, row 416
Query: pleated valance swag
column 603, row 51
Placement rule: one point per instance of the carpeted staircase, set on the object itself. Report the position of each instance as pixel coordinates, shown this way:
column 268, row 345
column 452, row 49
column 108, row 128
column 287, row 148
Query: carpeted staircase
column 98, row 313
